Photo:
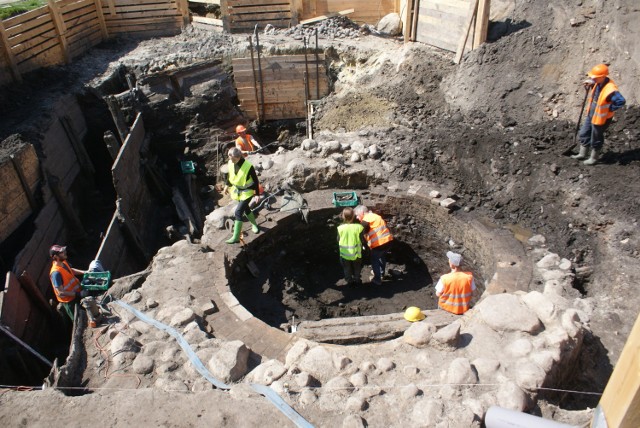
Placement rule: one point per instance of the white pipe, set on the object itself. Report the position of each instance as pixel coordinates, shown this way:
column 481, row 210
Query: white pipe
column 498, row 417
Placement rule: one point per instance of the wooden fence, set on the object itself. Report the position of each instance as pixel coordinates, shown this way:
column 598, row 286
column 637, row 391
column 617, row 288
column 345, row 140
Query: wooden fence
column 364, row 11
column 64, row 29
column 243, row 15
column 276, row 89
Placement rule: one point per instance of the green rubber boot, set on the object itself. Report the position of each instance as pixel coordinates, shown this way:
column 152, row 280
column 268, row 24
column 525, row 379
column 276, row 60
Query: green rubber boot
column 254, row 224
column 237, row 229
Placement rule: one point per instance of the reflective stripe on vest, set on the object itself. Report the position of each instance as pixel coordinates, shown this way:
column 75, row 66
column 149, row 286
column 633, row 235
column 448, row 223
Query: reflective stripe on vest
column 379, row 233
column 69, row 281
column 602, row 108
column 350, row 247
column 240, row 181
column 245, row 144
column 456, row 292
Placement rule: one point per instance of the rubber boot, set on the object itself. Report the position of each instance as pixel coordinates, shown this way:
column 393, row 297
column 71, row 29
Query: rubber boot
column 237, row 229
column 254, row 224
column 582, row 154
column 593, row 159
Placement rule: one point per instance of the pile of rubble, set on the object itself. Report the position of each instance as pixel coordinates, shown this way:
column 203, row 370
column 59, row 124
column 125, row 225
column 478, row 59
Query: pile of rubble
column 339, row 27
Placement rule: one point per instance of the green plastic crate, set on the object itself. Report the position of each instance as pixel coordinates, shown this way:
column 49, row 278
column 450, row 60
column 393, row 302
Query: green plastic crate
column 188, row 167
column 96, row 281
column 345, row 199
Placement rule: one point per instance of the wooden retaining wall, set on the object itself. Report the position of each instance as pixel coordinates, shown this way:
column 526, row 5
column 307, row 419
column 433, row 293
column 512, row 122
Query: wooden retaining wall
column 282, row 92
column 64, row 29
column 20, row 178
column 364, row 11
column 243, row 15
column 444, row 23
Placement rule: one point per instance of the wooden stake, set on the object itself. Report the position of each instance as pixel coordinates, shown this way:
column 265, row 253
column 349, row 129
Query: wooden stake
column 482, row 22
column 620, row 400
column 414, row 23
column 255, row 80
column 465, row 30
column 61, row 29
column 24, row 183
column 4, row 42
column 260, row 71
column 103, row 25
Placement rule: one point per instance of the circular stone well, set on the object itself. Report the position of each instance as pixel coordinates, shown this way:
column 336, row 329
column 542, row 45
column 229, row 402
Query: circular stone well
column 299, row 276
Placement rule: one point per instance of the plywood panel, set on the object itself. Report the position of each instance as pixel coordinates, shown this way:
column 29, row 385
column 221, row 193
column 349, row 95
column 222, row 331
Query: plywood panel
column 364, row 10
column 440, row 23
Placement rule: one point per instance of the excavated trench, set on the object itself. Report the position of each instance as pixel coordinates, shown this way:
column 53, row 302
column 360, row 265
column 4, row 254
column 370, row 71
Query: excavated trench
column 299, row 276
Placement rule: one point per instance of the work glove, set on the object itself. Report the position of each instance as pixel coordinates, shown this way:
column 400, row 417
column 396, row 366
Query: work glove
column 84, row 293
column 254, row 201
column 589, row 83
column 225, row 190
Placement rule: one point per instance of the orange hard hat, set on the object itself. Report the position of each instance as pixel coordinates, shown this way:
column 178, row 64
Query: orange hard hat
column 240, row 128
column 600, row 70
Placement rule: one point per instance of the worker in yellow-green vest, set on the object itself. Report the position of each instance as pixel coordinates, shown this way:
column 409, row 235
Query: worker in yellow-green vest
column 350, row 244
column 242, row 186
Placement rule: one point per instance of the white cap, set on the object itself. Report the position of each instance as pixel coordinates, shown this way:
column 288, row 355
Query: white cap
column 454, row 258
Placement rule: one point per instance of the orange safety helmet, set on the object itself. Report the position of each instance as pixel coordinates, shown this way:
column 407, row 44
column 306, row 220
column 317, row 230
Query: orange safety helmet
column 600, row 70
column 240, row 128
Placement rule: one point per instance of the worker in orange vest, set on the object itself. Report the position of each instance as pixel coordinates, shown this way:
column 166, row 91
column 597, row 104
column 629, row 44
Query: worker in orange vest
column 604, row 99
column 455, row 289
column 63, row 279
column 245, row 142
column 378, row 238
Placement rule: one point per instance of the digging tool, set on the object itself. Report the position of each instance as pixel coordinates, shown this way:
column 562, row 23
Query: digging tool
column 575, row 133
column 262, row 148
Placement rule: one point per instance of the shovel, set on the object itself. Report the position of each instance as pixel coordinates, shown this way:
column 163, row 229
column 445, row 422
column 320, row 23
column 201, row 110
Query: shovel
column 575, row 133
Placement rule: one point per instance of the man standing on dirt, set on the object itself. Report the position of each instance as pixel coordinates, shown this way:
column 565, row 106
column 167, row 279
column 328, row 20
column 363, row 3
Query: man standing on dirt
column 350, row 246
column 603, row 100
column 455, row 289
column 63, row 278
column 242, row 185
column 378, row 239
column 245, row 142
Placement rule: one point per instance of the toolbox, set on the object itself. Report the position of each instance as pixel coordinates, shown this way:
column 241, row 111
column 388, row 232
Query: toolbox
column 188, row 167
column 345, row 199
column 96, row 281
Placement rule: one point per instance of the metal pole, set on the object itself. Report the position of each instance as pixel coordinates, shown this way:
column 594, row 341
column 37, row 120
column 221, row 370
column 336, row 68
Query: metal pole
column 306, row 104
column 255, row 31
column 317, row 69
column 306, row 70
column 255, row 82
column 29, row 348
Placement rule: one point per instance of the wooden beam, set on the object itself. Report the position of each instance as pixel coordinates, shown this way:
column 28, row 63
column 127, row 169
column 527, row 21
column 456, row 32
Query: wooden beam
column 103, row 25
column 32, row 290
column 414, row 22
column 81, row 153
column 11, row 60
column 465, row 30
column 620, row 401
column 327, row 16
column 408, row 19
column 482, row 23
column 61, row 29
column 24, row 183
column 74, row 224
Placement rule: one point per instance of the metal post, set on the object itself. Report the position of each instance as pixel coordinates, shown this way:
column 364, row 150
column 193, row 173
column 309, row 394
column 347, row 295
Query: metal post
column 259, row 69
column 306, row 71
column 317, row 69
column 255, row 82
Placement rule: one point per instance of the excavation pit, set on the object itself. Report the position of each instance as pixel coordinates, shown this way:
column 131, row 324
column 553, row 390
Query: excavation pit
column 290, row 276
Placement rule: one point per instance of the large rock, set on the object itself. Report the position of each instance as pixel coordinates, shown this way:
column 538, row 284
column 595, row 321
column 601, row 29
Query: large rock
column 506, row 312
column 390, row 24
column 268, row 372
column 511, row 397
column 461, row 371
column 230, row 362
column 319, row 362
column 419, row 334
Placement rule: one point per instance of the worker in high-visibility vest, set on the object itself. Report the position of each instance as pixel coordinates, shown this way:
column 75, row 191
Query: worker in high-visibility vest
column 455, row 289
column 378, row 238
column 66, row 285
column 350, row 246
column 242, row 186
column 604, row 99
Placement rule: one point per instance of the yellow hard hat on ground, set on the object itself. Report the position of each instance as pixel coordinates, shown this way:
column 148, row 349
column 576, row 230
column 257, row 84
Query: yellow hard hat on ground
column 413, row 314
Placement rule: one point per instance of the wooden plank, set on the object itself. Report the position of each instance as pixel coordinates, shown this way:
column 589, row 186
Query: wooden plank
column 33, row 52
column 35, row 41
column 8, row 55
column 250, row 25
column 75, row 6
column 209, row 21
column 146, row 7
column 29, row 50
column 74, row 17
column 15, row 306
column 35, row 23
column 143, row 24
column 25, row 17
column 259, row 9
column 81, row 25
column 482, row 23
column 406, row 28
column 238, row 3
column 103, row 25
column 327, row 16
column 134, row 2
column 205, row 2
column 620, row 401
column 281, row 59
column 36, row 32
column 463, row 39
column 147, row 15
column 61, row 29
